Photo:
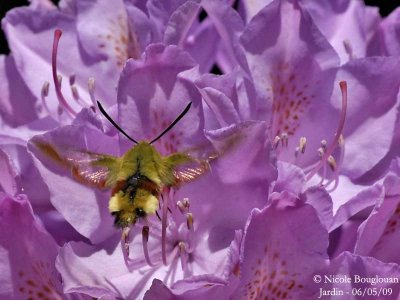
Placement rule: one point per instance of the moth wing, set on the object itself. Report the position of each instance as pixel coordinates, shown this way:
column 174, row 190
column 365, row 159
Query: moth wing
column 190, row 170
column 191, row 163
column 89, row 168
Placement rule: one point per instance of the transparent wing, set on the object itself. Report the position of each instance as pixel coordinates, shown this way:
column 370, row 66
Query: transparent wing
column 89, row 168
column 191, row 163
column 190, row 170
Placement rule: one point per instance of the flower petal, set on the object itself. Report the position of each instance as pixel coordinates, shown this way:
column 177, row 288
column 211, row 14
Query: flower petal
column 282, row 265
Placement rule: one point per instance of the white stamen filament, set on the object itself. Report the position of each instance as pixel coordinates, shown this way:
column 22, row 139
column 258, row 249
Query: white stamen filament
column 332, row 146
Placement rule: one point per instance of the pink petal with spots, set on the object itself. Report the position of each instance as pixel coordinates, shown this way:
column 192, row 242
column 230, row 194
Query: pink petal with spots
column 27, row 253
column 293, row 67
column 280, row 256
column 109, row 37
column 153, row 92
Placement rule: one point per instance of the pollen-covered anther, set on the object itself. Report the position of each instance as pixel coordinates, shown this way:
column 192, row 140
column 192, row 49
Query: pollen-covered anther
column 189, row 221
column 183, row 205
column 332, row 162
column 91, row 88
column 302, row 144
column 45, row 89
column 276, row 141
column 349, row 49
column 321, row 151
column 125, row 241
column 182, row 246
column 75, row 93
column 324, row 144
column 72, row 79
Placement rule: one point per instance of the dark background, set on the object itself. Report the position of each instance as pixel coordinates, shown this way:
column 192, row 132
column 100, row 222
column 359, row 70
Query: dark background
column 385, row 7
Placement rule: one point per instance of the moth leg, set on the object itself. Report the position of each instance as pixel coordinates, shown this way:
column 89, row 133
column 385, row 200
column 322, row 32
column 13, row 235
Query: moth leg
column 158, row 216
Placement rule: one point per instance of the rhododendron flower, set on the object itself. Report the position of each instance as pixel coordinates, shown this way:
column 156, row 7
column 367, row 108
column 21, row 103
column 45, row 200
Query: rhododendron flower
column 294, row 169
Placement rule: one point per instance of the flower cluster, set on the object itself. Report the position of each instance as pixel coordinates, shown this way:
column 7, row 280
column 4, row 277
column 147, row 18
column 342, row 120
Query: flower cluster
column 294, row 173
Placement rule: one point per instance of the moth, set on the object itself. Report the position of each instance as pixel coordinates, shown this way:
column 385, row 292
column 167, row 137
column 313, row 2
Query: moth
column 136, row 179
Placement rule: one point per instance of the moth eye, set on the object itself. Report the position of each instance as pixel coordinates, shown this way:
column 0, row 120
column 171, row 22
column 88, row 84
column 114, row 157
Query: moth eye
column 140, row 213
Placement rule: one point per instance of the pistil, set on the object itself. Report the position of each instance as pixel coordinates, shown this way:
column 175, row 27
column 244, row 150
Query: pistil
column 64, row 104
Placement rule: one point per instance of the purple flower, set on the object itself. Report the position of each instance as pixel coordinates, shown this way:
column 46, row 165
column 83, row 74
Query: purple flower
column 292, row 84
column 150, row 93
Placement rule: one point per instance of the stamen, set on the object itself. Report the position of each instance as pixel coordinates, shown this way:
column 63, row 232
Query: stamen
column 275, row 143
column 332, row 146
column 75, row 93
column 183, row 205
column 145, row 240
column 91, row 88
column 302, row 144
column 339, row 165
column 332, row 163
column 72, row 78
column 189, row 221
column 164, row 229
column 349, row 49
column 321, row 151
column 60, row 96
column 324, row 143
column 125, row 242
column 183, row 254
column 44, row 94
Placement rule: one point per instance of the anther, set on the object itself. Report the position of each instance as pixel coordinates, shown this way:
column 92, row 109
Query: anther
column 349, row 49
column 59, row 79
column 45, row 89
column 125, row 242
column 183, row 205
column 182, row 246
column 323, row 144
column 321, row 151
column 332, row 162
column 75, row 93
column 72, row 78
column 302, row 144
column 91, row 88
column 189, row 221
column 276, row 142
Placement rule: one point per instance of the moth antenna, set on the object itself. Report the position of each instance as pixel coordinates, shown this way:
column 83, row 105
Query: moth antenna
column 173, row 123
column 113, row 122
